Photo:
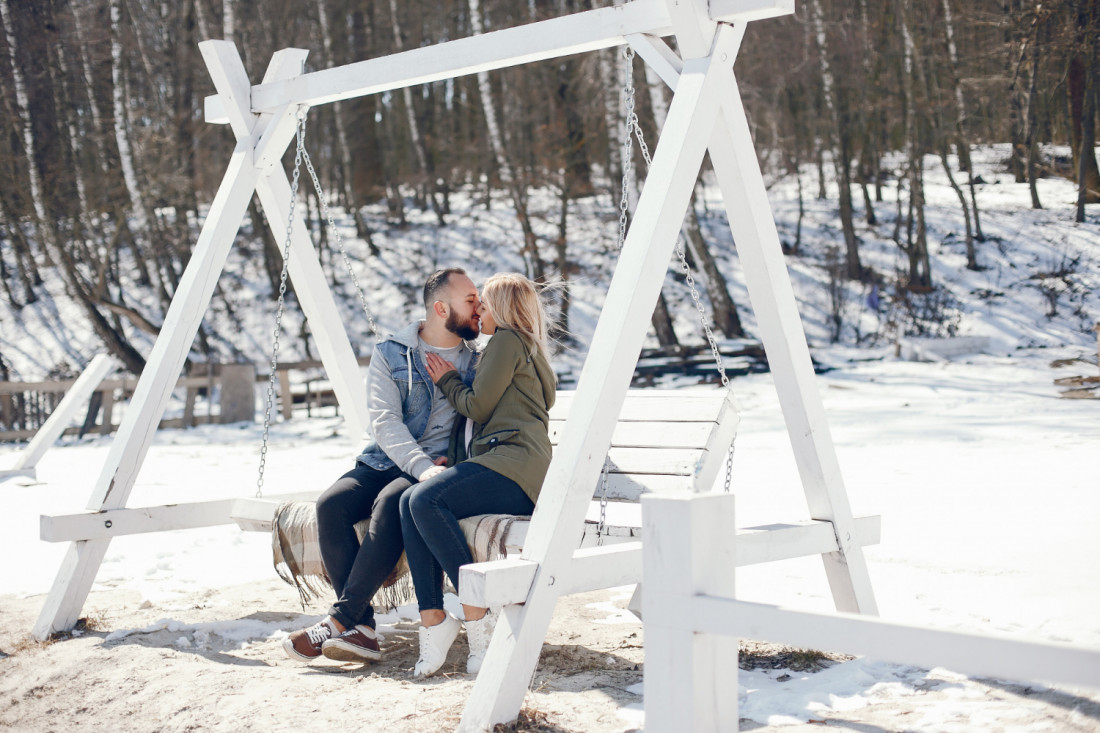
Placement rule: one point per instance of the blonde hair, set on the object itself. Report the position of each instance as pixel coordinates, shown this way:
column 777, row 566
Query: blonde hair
column 515, row 303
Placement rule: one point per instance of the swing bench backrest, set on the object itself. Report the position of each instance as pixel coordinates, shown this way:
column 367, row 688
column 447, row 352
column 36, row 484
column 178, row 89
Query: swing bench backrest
column 665, row 441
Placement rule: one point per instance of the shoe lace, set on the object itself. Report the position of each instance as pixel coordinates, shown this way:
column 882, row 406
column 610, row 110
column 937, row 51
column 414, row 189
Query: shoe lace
column 318, row 633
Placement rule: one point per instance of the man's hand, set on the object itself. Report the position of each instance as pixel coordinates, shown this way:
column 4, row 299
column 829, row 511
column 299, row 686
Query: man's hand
column 433, row 471
column 438, row 366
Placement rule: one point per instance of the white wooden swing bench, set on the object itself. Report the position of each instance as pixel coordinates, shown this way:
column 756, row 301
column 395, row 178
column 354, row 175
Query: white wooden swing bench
column 665, row 442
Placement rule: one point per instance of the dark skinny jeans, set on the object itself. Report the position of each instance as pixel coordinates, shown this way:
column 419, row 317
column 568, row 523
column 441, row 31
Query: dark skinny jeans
column 430, row 511
column 357, row 570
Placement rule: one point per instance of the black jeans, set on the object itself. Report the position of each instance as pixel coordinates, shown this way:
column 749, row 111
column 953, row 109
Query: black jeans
column 357, row 570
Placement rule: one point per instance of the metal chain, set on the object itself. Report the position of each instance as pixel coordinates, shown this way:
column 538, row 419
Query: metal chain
column 633, row 128
column 339, row 240
column 628, row 144
column 601, row 527
column 280, row 306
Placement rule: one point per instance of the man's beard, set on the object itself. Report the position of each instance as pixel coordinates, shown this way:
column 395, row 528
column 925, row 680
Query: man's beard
column 466, row 330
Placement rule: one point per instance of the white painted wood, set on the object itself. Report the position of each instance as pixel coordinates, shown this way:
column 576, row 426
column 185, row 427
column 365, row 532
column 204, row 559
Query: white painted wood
column 650, row 434
column 150, row 398
column 658, row 56
column 496, row 583
column 712, row 462
column 773, row 301
column 116, row 522
column 644, row 405
column 316, row 300
column 989, row 655
column 75, row 398
column 109, row 523
column 690, row 677
column 499, row 690
column 165, row 362
column 694, row 28
column 576, row 33
column 285, row 64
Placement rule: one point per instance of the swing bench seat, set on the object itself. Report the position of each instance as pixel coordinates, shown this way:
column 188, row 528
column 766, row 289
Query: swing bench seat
column 665, row 441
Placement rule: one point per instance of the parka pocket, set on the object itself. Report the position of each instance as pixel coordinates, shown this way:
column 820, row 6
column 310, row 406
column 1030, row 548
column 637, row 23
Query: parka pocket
column 488, row 441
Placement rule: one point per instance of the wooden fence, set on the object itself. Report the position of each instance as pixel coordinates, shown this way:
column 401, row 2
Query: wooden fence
column 26, row 406
column 692, row 621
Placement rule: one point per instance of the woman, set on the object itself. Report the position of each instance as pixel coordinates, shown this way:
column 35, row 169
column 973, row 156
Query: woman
column 509, row 451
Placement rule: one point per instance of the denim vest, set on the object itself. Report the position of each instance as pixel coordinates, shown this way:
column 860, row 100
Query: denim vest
column 416, row 395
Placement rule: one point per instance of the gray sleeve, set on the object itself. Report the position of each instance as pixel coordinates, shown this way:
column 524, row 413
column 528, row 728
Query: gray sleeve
column 386, row 420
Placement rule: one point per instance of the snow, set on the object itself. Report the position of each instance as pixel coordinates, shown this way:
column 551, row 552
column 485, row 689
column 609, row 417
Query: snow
column 985, row 479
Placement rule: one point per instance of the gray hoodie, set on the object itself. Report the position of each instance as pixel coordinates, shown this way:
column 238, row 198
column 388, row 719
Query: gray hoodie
column 405, row 409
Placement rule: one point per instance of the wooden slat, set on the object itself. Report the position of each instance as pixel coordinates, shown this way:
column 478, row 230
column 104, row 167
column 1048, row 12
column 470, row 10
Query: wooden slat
column 655, row 405
column 619, row 560
column 651, row 434
column 667, row 461
column 141, row 520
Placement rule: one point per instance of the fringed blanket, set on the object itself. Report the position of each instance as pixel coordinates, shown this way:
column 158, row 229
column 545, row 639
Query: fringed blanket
column 297, row 555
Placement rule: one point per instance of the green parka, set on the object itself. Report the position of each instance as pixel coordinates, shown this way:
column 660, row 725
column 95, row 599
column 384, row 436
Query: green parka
column 509, row 401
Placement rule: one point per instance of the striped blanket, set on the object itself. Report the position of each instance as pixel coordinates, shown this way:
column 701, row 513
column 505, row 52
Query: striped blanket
column 297, row 555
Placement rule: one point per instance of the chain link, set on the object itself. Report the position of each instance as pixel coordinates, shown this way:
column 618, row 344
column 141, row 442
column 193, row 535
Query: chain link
column 301, row 155
column 280, row 306
column 339, row 240
column 601, row 527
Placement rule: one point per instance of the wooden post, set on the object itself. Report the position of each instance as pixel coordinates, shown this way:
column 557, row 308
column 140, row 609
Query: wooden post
column 237, row 399
column 513, row 653
column 687, row 550
column 107, row 426
column 185, row 313
column 286, row 397
column 773, row 301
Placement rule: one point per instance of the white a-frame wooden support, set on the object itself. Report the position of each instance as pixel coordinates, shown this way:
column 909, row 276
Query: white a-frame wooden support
column 705, row 114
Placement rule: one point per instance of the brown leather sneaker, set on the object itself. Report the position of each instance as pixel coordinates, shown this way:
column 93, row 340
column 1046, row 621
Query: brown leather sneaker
column 357, row 644
column 305, row 644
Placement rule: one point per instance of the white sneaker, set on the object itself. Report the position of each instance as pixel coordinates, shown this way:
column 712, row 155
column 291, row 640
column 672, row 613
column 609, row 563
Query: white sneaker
column 479, row 633
column 435, row 641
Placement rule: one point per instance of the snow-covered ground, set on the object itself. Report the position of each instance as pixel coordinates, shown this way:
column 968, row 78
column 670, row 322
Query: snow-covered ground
column 985, row 479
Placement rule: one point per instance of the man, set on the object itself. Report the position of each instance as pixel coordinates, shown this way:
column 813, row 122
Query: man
column 410, row 422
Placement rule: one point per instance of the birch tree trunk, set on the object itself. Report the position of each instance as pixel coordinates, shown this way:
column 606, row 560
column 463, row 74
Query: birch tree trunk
column 517, row 188
column 869, row 154
column 114, row 340
column 343, row 149
column 43, row 227
column 229, row 19
column 423, row 155
column 1011, row 12
column 841, row 147
column 962, row 142
column 138, row 210
column 1032, row 139
column 202, row 20
column 920, row 274
column 612, row 114
column 1081, row 87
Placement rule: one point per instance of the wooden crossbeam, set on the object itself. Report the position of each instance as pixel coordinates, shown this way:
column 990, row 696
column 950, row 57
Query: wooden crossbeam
column 988, row 655
column 502, row 582
column 589, row 30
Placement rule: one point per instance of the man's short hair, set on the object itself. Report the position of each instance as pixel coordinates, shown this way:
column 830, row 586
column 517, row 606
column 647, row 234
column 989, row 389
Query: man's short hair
column 437, row 281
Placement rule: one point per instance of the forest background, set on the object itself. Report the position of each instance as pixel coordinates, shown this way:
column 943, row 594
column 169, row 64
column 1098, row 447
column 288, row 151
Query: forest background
column 108, row 165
